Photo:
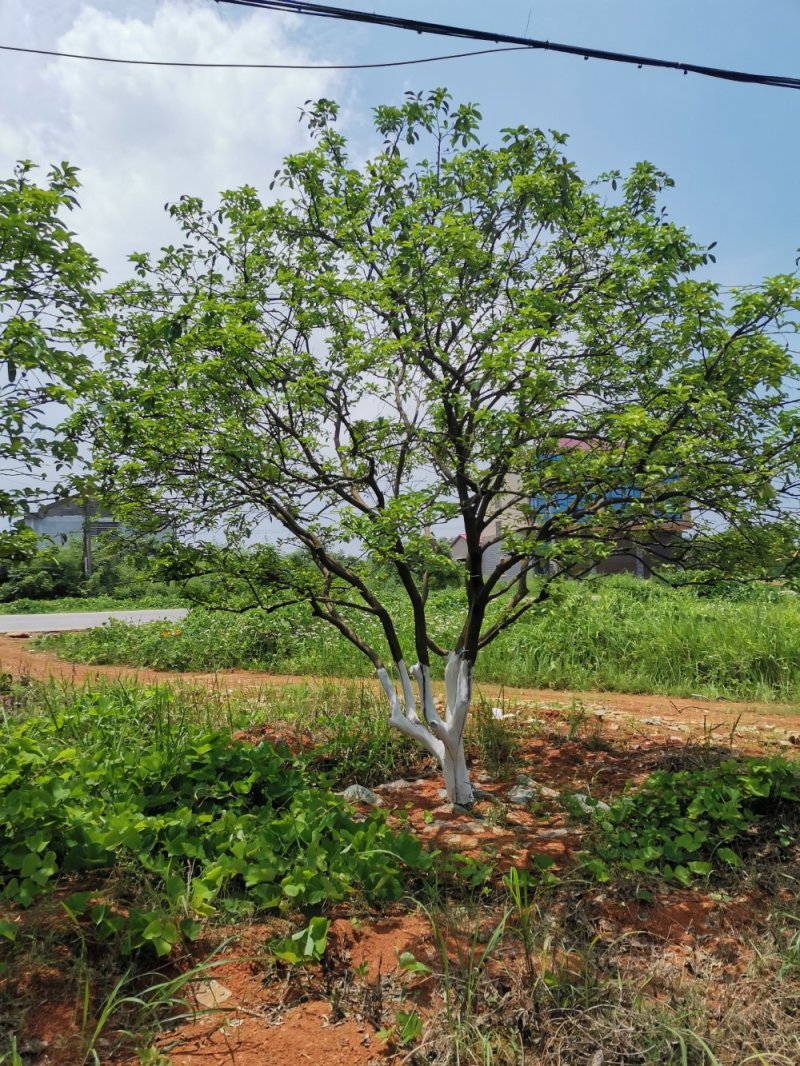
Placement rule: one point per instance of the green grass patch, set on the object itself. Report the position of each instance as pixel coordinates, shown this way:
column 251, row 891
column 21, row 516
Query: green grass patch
column 68, row 604
column 616, row 634
column 132, row 819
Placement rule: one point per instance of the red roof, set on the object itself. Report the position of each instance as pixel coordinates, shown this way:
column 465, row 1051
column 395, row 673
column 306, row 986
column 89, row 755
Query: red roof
column 573, row 442
column 486, row 535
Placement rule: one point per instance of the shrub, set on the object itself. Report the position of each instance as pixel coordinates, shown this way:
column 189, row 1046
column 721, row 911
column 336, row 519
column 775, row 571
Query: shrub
column 610, row 633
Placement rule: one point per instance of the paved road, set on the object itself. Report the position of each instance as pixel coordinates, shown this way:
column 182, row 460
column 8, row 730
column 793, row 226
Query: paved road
column 58, row 623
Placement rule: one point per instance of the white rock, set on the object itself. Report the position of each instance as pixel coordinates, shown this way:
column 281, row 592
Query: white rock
column 210, row 994
column 360, row 794
column 589, row 805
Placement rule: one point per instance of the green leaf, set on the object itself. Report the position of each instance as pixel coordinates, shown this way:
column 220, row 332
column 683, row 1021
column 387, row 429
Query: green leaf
column 306, row 945
column 315, row 937
column 728, row 856
column 77, row 903
column 8, row 930
column 190, row 929
column 409, row 1027
column 411, row 964
column 598, row 870
column 682, row 875
column 30, row 864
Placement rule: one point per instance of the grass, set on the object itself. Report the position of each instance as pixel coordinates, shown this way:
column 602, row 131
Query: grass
column 167, row 802
column 615, row 634
column 131, row 817
column 137, row 778
column 69, row 604
column 580, row 998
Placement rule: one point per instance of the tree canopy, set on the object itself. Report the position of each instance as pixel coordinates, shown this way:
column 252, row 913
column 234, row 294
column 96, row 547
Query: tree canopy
column 445, row 332
column 47, row 298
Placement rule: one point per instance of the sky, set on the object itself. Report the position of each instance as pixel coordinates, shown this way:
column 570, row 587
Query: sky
column 144, row 136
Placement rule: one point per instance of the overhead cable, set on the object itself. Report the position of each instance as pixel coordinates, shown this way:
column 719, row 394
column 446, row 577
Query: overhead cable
column 300, row 7
column 255, row 66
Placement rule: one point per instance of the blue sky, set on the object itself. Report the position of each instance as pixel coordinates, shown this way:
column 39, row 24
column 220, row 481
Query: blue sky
column 733, row 150
column 144, row 136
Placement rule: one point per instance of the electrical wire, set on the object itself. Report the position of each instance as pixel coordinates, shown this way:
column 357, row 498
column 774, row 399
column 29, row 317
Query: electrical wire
column 258, row 66
column 504, row 42
column 300, row 7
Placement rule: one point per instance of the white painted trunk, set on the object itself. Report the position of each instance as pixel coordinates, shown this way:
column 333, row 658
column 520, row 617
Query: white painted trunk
column 441, row 737
column 456, row 777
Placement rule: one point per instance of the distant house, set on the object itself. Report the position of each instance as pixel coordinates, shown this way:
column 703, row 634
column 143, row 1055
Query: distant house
column 70, row 518
column 491, row 556
column 458, row 548
column 662, row 544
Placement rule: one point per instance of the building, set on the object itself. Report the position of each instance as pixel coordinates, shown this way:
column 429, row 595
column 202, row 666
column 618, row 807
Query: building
column 663, row 544
column 69, row 518
column 491, row 557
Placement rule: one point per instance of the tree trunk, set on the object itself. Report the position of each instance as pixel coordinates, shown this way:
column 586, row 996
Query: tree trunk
column 441, row 737
column 456, row 776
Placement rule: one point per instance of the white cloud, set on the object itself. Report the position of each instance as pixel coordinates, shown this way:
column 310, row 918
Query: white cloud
column 142, row 136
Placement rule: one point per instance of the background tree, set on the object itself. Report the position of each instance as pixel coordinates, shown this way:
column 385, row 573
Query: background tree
column 446, row 332
column 47, row 296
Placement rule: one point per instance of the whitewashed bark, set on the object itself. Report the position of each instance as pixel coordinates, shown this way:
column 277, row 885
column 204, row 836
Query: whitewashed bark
column 456, row 776
column 405, row 718
column 441, row 737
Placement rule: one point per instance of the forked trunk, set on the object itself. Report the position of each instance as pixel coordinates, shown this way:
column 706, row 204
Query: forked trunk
column 442, row 737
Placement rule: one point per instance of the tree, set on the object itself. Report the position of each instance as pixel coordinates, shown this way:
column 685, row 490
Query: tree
column 47, row 297
column 445, row 332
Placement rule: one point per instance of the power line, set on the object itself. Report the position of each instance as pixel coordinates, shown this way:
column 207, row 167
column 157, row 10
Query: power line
column 515, row 44
column 257, row 66
column 300, row 7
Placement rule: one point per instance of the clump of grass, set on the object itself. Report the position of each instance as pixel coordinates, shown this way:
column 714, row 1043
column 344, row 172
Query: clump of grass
column 202, row 642
column 148, row 819
column 631, row 635
column 123, row 778
column 519, row 982
column 62, row 604
column 354, row 740
column 495, row 740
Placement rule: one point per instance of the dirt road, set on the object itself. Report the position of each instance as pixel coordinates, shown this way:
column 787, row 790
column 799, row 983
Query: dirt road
column 17, row 659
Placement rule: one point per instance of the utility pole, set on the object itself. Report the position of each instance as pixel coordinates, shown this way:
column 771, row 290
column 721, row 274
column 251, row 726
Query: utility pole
column 87, row 541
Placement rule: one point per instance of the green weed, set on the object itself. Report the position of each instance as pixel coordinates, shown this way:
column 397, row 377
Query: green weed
column 355, row 742
column 67, row 604
column 691, row 823
column 108, row 783
column 612, row 633
column 496, row 741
